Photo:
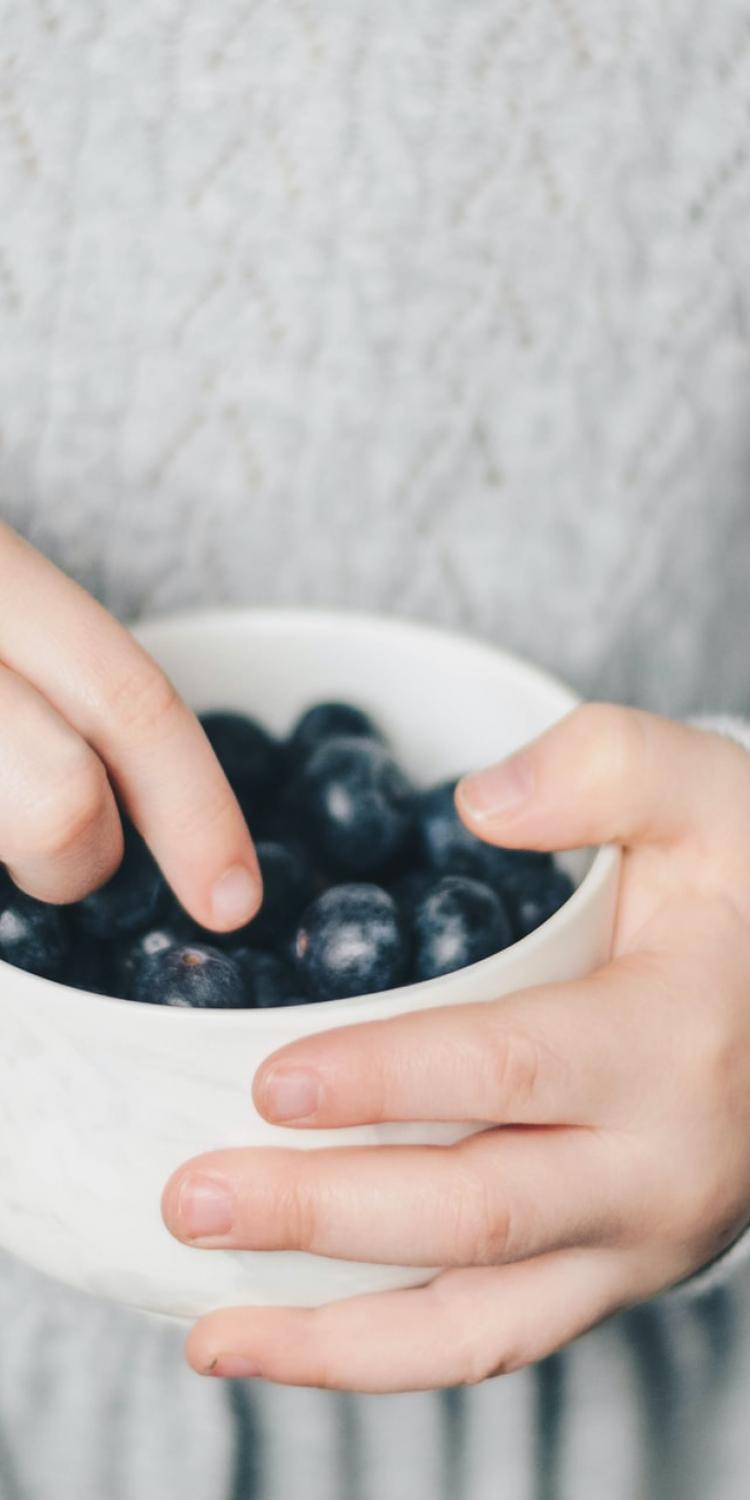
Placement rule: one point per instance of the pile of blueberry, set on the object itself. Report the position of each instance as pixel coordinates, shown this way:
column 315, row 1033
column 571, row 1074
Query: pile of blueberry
column 369, row 884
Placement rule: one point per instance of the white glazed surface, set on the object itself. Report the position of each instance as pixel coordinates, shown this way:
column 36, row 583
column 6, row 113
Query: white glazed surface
column 101, row 1099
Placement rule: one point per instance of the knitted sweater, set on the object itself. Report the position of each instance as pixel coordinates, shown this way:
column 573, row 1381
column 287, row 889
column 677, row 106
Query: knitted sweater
column 427, row 307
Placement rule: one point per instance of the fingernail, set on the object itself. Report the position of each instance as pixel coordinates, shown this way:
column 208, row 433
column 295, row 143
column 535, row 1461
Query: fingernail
column 233, row 1367
column 204, row 1207
column 499, row 790
column 234, row 898
column 290, row 1093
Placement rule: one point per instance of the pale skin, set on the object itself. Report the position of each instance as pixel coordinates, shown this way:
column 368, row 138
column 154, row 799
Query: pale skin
column 623, row 1161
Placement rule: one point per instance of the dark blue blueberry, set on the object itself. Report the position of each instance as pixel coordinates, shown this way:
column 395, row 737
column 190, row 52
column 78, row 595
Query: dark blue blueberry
column 130, row 901
column 269, row 980
column 287, row 889
column 33, row 935
column 351, row 941
column 252, row 760
column 192, row 976
column 326, row 721
column 129, row 954
column 355, row 805
column 89, row 967
column 408, row 890
column 277, row 822
column 457, row 923
column 449, row 847
column 537, row 896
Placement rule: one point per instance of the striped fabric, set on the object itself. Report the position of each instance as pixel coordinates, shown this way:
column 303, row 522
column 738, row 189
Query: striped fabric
column 97, row 1402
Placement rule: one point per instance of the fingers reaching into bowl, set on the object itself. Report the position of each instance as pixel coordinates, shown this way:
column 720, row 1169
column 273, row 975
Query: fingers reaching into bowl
column 89, row 714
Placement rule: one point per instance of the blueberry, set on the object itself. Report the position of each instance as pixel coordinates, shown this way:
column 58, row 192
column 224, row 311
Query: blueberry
column 277, row 822
column 448, row 846
column 287, row 890
column 193, row 976
column 355, row 805
column 33, row 935
column 458, row 922
column 351, row 941
column 325, row 721
column 537, row 896
column 408, row 890
column 129, row 954
column 269, row 980
column 89, row 967
column 249, row 756
column 130, row 901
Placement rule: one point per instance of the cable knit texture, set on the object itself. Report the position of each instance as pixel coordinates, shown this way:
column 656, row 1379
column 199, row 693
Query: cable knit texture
column 432, row 306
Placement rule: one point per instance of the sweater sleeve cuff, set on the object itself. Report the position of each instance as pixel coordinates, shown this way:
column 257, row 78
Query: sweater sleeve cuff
column 726, row 1265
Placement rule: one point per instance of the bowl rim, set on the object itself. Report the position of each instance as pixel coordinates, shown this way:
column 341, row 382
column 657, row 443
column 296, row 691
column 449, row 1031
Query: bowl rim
column 270, row 617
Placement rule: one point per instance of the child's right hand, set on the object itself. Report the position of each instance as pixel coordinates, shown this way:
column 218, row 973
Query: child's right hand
column 84, row 710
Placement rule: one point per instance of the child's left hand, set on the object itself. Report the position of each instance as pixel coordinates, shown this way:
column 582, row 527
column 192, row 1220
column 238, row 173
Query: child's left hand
column 623, row 1161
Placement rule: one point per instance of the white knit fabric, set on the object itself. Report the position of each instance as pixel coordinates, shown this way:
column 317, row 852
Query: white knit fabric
column 435, row 306
column 430, row 306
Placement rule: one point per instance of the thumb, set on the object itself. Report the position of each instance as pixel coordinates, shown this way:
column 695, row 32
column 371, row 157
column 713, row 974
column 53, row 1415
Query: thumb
column 609, row 774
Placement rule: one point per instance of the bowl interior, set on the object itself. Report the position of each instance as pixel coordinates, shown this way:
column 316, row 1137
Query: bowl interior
column 448, row 704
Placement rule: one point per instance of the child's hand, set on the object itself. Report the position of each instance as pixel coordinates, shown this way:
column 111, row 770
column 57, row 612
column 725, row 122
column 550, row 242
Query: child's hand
column 83, row 709
column 623, row 1163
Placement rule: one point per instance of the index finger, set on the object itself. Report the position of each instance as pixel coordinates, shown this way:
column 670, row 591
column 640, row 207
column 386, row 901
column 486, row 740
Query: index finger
column 157, row 755
column 544, row 1056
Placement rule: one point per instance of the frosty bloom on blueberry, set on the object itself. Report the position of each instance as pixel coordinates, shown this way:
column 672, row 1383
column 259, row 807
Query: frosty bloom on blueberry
column 351, row 941
column 191, row 975
column 458, row 922
column 369, row 883
column 355, row 804
column 33, row 935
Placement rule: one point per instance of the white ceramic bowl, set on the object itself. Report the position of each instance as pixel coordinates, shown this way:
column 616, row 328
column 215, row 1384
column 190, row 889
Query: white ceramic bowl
column 101, row 1099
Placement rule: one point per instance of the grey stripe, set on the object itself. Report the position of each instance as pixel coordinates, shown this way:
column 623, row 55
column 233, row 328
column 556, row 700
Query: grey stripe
column 11, row 1487
column 348, row 1470
column 246, row 1477
column 716, row 1315
column 549, row 1376
column 680, row 1407
column 660, row 1392
column 453, row 1402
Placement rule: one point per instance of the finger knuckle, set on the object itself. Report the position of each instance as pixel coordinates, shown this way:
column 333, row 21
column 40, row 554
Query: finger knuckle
column 474, row 1230
column 490, row 1366
column 383, row 1079
column 141, row 702
column 616, row 736
column 300, row 1217
column 318, row 1344
column 517, row 1065
column 71, row 811
column 475, row 1357
column 483, row 1232
column 479, row 1363
column 205, row 815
